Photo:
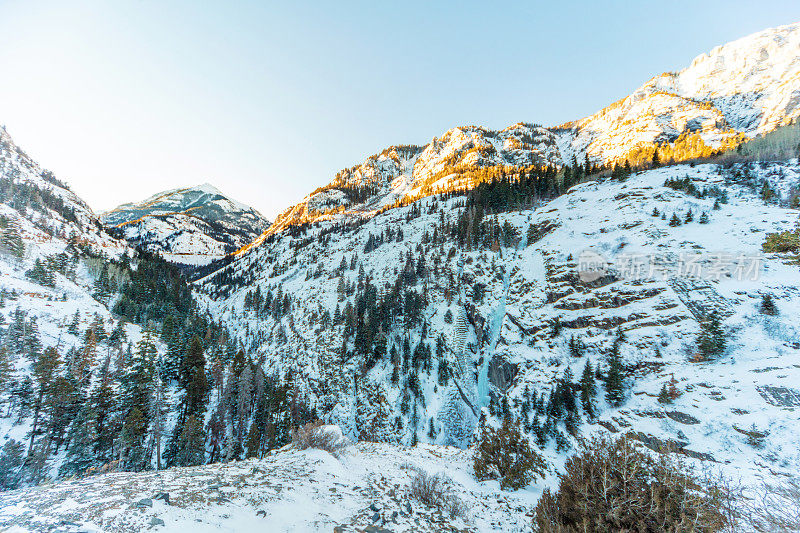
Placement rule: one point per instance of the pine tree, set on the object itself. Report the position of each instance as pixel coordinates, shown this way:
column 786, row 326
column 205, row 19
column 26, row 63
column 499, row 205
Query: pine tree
column 11, row 459
column 703, row 218
column 576, row 347
column 663, row 395
column 768, row 306
column 136, row 398
column 711, row 340
column 191, row 443
column 615, row 385
column 134, row 431
column 192, row 379
column 588, row 390
column 655, row 212
column 689, row 216
column 80, row 453
column 74, row 326
column 674, row 221
column 6, row 370
column 44, row 370
column 102, row 405
column 10, row 240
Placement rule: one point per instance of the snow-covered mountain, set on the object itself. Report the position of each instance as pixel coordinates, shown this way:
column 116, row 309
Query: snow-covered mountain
column 736, row 91
column 405, row 173
column 419, row 293
column 744, row 88
column 192, row 226
column 501, row 313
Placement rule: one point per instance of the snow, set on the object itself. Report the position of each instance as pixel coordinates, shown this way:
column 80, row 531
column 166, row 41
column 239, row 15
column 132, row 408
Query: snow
column 189, row 226
column 299, row 491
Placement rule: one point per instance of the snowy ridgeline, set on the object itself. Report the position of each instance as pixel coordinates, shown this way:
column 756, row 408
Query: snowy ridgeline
column 736, row 91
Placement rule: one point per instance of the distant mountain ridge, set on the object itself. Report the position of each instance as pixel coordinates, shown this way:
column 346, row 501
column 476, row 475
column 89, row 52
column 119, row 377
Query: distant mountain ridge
column 192, row 225
column 736, row 91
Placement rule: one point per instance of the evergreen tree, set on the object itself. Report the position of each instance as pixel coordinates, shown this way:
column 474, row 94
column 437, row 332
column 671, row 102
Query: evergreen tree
column 674, row 221
column 703, row 218
column 588, row 390
column 576, row 347
column 82, row 437
column 134, row 430
column 192, row 379
column 191, row 443
column 615, row 385
column 44, row 370
column 74, row 326
column 10, row 240
column 663, row 395
column 11, row 459
column 711, row 340
column 768, row 306
column 102, row 405
column 137, row 385
column 6, row 370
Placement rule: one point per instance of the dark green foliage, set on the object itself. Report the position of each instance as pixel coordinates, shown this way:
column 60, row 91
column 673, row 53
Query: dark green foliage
column 588, row 390
column 615, row 382
column 155, row 290
column 448, row 317
column 711, row 341
column 576, row 347
column 11, row 458
column 663, row 395
column 506, row 455
column 768, row 306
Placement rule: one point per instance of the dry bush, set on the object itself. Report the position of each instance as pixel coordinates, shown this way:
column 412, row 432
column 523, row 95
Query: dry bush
column 612, row 486
column 776, row 508
column 315, row 435
column 436, row 491
column 505, row 454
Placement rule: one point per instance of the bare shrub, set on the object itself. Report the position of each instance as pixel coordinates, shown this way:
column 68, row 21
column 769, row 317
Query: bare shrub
column 437, row 492
column 776, row 507
column 317, row 435
column 611, row 486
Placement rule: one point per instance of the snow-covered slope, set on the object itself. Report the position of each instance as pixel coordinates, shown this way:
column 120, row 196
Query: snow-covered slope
column 286, row 491
column 749, row 86
column 492, row 312
column 53, row 250
column 192, row 226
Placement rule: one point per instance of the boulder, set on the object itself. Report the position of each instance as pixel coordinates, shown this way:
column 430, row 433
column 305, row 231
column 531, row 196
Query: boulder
column 502, row 372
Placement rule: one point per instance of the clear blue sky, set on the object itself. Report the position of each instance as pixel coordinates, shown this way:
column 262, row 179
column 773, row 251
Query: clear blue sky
column 268, row 100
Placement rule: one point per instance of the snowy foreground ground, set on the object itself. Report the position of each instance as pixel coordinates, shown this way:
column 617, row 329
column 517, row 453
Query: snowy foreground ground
column 364, row 490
